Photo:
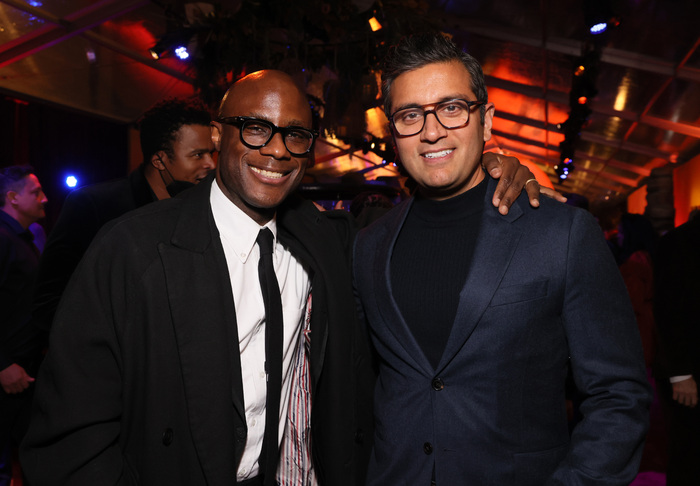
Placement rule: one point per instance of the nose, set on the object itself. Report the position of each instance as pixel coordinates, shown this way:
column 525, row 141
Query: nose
column 432, row 128
column 208, row 161
column 276, row 147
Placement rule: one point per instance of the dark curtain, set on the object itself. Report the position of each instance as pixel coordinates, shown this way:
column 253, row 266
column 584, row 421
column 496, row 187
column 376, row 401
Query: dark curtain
column 58, row 143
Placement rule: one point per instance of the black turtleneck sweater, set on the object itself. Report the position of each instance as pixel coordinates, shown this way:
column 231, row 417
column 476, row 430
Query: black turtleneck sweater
column 430, row 262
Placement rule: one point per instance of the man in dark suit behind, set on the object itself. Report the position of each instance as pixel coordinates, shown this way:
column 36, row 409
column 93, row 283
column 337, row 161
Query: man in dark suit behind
column 677, row 315
column 22, row 202
column 177, row 153
column 476, row 317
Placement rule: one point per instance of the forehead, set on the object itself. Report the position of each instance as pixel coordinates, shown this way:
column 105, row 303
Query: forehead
column 273, row 98
column 432, row 83
column 30, row 182
column 194, row 135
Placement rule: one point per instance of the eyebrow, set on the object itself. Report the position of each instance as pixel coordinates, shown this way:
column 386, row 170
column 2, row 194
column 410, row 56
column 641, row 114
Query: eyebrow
column 201, row 150
column 441, row 100
column 291, row 123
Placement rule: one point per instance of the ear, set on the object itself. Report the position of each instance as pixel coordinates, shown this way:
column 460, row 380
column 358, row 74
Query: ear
column 216, row 135
column 157, row 160
column 488, row 120
column 11, row 197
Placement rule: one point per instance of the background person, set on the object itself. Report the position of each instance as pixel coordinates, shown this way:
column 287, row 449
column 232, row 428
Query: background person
column 677, row 367
column 177, row 153
column 22, row 202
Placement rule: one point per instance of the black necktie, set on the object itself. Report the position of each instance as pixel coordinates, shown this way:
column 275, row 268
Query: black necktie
column 273, row 355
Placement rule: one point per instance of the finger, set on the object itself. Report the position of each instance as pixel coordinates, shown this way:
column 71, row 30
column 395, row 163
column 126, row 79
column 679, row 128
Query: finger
column 684, row 399
column 533, row 192
column 499, row 195
column 492, row 163
column 523, row 180
column 553, row 194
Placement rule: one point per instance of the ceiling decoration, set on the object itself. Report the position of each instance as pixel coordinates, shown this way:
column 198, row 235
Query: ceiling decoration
column 642, row 112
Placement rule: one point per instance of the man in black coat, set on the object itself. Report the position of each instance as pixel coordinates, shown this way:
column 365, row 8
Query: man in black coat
column 156, row 371
column 177, row 153
column 677, row 315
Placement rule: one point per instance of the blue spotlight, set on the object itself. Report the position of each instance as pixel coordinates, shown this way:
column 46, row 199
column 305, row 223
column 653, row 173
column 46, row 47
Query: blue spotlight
column 181, row 52
column 71, row 181
column 599, row 28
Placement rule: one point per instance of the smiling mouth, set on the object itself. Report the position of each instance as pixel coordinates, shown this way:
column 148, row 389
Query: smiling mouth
column 435, row 155
column 267, row 173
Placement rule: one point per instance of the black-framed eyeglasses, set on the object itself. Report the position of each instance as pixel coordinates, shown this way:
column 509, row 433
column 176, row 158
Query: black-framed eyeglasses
column 450, row 114
column 256, row 133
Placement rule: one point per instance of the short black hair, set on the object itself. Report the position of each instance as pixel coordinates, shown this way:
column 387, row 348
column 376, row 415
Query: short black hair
column 12, row 179
column 418, row 50
column 159, row 124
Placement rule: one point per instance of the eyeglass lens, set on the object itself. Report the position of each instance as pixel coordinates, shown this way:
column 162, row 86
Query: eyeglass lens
column 258, row 134
column 450, row 114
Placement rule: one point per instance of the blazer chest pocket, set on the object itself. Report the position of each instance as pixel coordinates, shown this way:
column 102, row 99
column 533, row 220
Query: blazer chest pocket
column 520, row 293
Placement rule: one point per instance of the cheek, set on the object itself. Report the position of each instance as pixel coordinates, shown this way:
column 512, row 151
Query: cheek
column 405, row 150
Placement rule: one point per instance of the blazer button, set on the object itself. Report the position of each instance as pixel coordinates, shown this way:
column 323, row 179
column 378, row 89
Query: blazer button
column 168, row 437
column 438, row 384
column 428, row 448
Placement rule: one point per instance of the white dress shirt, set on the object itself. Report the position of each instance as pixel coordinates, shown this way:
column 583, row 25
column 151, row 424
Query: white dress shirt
column 238, row 233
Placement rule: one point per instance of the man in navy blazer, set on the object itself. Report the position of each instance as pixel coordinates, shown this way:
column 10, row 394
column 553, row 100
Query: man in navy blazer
column 476, row 317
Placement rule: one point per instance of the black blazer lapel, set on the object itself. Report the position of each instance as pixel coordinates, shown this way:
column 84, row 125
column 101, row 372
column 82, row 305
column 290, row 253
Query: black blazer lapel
column 204, row 322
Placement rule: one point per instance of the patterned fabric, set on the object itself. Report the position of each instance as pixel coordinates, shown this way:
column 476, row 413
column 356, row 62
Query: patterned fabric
column 296, row 466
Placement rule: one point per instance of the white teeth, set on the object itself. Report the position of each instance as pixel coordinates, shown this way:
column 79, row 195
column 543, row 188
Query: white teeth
column 267, row 173
column 434, row 155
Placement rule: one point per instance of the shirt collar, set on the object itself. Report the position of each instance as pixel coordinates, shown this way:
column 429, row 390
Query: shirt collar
column 12, row 223
column 236, row 228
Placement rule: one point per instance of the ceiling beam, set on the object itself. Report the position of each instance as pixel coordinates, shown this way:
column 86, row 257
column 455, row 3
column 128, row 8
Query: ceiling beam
column 624, row 145
column 692, row 130
column 555, row 180
column 570, row 47
column 583, row 156
column 61, row 28
column 137, row 56
column 33, row 42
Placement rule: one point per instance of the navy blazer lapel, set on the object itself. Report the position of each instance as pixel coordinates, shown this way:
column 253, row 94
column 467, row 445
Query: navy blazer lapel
column 204, row 322
column 388, row 307
column 496, row 244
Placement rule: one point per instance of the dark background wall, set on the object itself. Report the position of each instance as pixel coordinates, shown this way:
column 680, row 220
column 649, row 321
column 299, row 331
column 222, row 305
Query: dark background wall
column 57, row 142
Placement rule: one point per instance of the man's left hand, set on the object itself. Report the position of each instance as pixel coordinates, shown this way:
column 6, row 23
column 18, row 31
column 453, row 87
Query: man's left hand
column 686, row 392
column 513, row 177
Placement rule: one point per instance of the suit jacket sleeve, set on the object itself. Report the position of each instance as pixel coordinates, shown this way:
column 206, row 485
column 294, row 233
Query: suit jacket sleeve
column 607, row 363
column 69, row 239
column 76, row 442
